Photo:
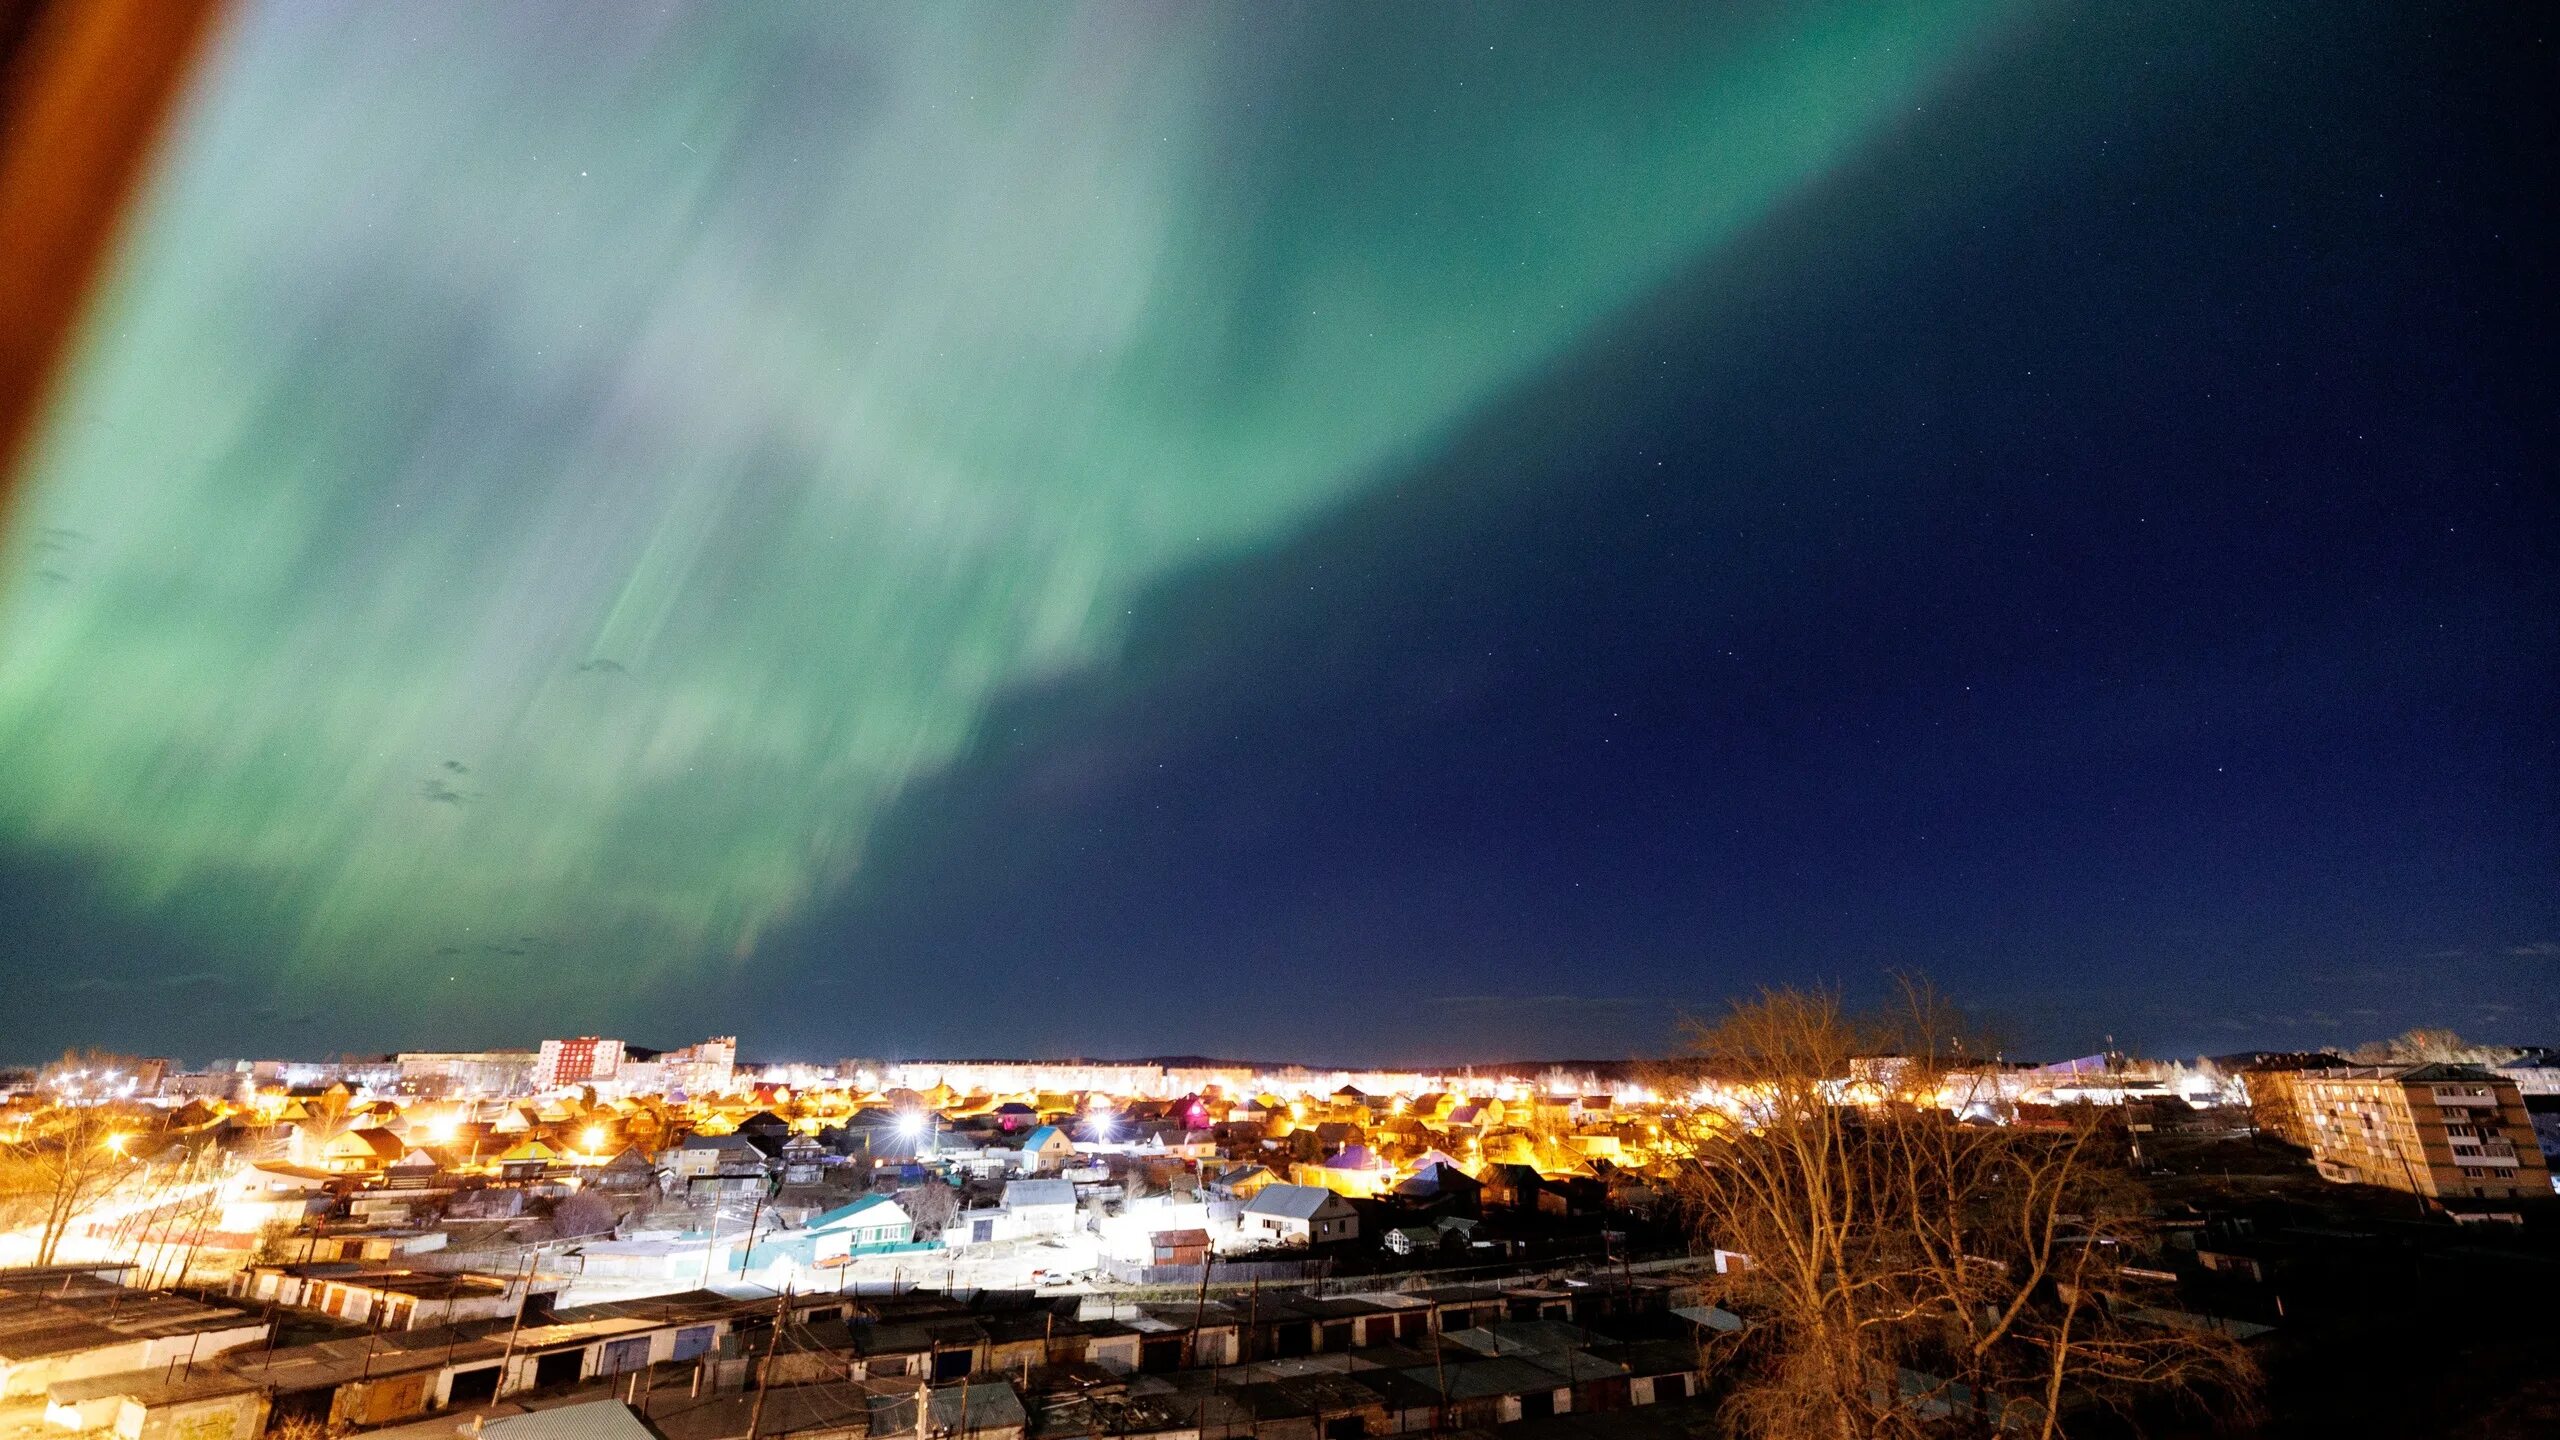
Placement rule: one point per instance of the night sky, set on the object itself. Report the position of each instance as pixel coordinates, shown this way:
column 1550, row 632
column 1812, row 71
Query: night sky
column 1410, row 533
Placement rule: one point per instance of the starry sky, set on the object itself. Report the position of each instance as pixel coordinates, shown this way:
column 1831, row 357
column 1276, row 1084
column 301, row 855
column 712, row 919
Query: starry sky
column 1308, row 531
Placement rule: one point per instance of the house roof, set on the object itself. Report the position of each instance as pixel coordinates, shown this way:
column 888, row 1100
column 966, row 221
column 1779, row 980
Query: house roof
column 1038, row 1192
column 1294, row 1202
column 871, row 1209
column 1036, row 1138
column 376, row 1142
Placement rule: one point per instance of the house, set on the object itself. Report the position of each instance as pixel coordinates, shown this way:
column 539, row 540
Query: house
column 765, row 1125
column 847, row 1230
column 1300, row 1215
column 1411, row 1240
column 716, row 1162
column 365, row 1151
column 528, row 1159
column 1512, row 1187
column 1244, row 1182
column 804, row 1159
column 1440, row 1184
column 1178, row 1247
column 1041, row 1207
column 632, row 1169
column 1046, row 1150
column 416, row 1170
column 1355, row 1170
column 1031, row 1207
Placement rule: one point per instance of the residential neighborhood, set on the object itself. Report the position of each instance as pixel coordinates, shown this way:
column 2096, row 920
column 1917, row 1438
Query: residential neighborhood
column 1202, row 1250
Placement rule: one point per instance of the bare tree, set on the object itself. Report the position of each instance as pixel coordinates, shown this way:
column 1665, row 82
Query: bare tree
column 65, row 1160
column 2425, row 1046
column 1907, row 1274
column 83, row 1076
column 932, row 1205
column 584, row 1213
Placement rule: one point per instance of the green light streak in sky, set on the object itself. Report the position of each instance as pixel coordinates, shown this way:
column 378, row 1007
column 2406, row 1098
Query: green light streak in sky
column 559, row 476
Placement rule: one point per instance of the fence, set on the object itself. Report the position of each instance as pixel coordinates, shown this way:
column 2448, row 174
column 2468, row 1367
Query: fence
column 1225, row 1272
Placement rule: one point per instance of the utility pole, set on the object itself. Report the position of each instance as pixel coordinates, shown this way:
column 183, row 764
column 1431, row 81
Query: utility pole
column 746, row 1258
column 764, row 1372
column 1200, row 1303
column 1439, row 1412
column 524, row 1292
column 711, row 1240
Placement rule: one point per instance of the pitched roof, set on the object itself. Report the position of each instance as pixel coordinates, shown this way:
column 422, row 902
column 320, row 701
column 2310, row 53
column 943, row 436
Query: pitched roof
column 1293, row 1202
column 376, row 1142
column 873, row 1209
column 1038, row 1192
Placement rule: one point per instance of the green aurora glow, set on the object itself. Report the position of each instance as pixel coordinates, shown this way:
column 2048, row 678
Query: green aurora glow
column 542, row 481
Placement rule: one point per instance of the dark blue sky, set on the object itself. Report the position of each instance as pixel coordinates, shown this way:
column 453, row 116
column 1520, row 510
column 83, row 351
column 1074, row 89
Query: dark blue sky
column 2094, row 543
column 2098, row 550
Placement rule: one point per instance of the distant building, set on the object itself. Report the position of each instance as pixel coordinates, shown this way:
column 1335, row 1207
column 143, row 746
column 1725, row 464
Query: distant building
column 2443, row 1131
column 709, row 1068
column 576, row 1062
column 495, row 1074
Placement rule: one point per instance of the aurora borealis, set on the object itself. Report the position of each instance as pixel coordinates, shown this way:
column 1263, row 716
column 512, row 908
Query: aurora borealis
column 565, row 511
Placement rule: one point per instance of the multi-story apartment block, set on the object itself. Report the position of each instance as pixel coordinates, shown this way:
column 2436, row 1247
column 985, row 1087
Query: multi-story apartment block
column 575, row 1062
column 2444, row 1131
column 438, row 1073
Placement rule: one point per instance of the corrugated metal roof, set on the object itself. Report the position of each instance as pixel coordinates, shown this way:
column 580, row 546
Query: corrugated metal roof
column 594, row 1420
column 1295, row 1202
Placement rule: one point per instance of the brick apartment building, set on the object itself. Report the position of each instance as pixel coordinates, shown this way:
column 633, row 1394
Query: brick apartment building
column 2443, row 1131
column 575, row 1062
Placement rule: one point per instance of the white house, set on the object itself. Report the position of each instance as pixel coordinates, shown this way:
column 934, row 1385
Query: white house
column 1031, row 1207
column 1041, row 1207
column 1299, row 1215
column 1131, row 1234
column 871, row 1220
